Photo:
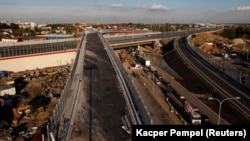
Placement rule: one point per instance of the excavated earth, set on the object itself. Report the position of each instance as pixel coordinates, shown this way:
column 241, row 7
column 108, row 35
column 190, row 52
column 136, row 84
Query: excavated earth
column 39, row 88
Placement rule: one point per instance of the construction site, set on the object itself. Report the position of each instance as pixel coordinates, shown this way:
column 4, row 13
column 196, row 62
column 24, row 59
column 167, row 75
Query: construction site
column 27, row 109
column 28, row 97
column 216, row 44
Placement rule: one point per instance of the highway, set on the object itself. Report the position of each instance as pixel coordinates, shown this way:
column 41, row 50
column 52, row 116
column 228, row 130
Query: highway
column 217, row 79
column 153, row 35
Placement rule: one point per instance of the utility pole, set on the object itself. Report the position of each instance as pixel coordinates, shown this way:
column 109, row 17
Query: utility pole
column 132, row 32
column 247, row 53
column 220, row 103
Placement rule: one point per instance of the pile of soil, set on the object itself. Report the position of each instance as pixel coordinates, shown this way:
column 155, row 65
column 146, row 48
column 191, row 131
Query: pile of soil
column 238, row 44
column 202, row 39
column 205, row 37
column 208, row 48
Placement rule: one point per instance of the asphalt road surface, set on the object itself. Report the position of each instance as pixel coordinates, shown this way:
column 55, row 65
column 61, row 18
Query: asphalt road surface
column 101, row 102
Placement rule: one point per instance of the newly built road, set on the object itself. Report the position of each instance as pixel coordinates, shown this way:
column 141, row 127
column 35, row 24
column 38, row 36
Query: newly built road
column 101, row 102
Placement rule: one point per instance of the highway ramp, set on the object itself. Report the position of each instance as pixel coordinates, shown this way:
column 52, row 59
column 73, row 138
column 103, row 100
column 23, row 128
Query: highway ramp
column 101, row 102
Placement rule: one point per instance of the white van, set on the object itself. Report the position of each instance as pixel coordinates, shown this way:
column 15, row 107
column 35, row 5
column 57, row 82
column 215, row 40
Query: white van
column 157, row 81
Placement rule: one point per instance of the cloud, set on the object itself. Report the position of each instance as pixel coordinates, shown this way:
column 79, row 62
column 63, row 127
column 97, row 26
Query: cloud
column 243, row 8
column 143, row 6
column 158, row 7
column 117, row 5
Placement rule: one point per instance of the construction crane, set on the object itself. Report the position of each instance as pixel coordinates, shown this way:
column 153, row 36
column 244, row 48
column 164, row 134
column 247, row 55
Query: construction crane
column 78, row 31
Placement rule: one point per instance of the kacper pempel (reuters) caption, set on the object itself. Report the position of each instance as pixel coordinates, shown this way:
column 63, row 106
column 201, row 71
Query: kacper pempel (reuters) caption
column 190, row 132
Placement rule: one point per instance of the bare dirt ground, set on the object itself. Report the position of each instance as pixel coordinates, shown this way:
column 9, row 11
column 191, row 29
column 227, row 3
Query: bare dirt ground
column 40, row 89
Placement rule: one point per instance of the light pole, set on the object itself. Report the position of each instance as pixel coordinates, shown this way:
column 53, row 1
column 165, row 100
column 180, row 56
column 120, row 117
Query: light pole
column 220, row 102
column 190, row 27
column 132, row 32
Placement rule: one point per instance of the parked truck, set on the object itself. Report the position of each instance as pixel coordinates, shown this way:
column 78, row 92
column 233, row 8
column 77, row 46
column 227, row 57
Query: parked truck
column 194, row 116
column 143, row 60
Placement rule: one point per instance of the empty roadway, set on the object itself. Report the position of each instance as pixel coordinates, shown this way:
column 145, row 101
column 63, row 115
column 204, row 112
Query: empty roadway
column 101, row 102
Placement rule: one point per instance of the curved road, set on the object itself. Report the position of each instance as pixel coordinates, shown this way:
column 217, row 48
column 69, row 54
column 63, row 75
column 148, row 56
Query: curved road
column 224, row 85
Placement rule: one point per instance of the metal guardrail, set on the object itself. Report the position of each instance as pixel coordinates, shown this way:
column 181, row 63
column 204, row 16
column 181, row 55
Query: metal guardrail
column 224, row 66
column 139, row 113
column 61, row 121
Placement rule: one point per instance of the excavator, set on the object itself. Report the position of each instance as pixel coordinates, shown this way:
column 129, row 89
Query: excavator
column 59, row 70
column 21, row 111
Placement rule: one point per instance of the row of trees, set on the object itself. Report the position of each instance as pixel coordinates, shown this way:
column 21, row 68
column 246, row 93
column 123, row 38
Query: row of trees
column 12, row 26
column 162, row 27
column 16, row 31
column 241, row 31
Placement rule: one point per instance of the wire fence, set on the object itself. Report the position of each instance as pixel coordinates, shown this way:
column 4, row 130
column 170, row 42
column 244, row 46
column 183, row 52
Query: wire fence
column 61, row 121
column 225, row 65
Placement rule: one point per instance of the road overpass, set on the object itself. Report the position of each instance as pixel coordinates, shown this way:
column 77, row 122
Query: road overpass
column 145, row 38
column 132, row 44
column 106, row 77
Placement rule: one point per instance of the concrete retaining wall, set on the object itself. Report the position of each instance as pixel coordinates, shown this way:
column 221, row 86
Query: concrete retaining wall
column 21, row 63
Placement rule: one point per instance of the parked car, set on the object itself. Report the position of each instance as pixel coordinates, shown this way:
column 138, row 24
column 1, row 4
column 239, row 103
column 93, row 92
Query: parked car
column 205, row 119
column 195, row 107
column 165, row 91
column 165, row 83
column 157, row 81
column 157, row 75
column 180, row 96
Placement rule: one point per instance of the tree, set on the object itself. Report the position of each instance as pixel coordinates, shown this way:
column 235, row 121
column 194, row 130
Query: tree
column 14, row 26
column 243, row 31
column 4, row 26
column 229, row 33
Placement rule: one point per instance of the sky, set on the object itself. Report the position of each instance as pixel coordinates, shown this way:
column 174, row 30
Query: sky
column 134, row 11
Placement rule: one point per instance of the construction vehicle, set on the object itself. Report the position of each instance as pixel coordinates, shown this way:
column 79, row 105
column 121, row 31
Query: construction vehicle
column 194, row 117
column 59, row 70
column 22, row 110
column 19, row 112
column 52, row 73
column 143, row 60
column 65, row 68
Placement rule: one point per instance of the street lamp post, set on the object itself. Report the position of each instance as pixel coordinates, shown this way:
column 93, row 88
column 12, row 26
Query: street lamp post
column 220, row 102
column 132, row 33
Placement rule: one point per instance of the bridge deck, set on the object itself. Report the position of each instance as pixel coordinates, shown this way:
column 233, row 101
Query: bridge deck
column 101, row 102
